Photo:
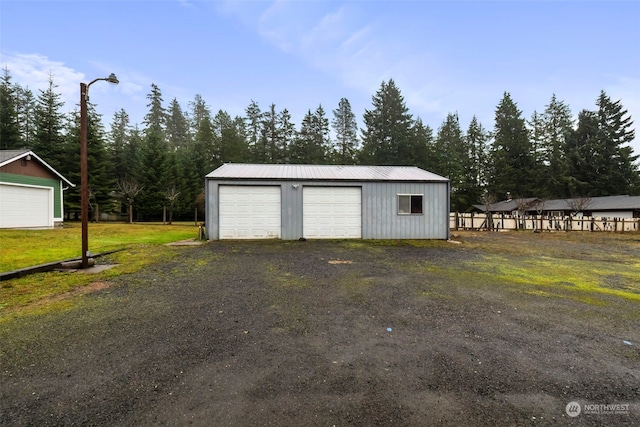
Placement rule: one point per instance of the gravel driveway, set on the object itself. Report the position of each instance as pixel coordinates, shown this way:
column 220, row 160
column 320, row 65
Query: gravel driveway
column 318, row 333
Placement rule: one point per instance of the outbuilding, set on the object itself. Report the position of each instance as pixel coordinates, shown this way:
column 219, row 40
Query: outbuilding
column 31, row 191
column 255, row 201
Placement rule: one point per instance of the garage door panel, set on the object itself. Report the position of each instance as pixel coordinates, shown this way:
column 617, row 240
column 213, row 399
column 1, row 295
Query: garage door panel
column 332, row 212
column 22, row 206
column 249, row 212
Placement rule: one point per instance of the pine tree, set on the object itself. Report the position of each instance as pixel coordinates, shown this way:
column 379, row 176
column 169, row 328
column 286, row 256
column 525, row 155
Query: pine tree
column 557, row 124
column 583, row 155
column 619, row 173
column 286, row 135
column 266, row 148
column 155, row 173
column 312, row 145
column 477, row 139
column 387, row 137
column 155, row 120
column 346, row 129
column 253, row 127
column 424, row 145
column 26, row 105
column 9, row 128
column 511, row 153
column 119, row 138
column 230, row 145
column 203, row 138
column 177, row 126
column 539, row 154
column 450, row 144
column 49, row 141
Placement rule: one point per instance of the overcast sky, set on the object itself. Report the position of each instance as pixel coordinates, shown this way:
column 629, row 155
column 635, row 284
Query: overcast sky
column 445, row 56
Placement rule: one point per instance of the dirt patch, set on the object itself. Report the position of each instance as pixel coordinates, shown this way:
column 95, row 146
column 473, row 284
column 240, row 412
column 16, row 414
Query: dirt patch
column 271, row 333
column 79, row 291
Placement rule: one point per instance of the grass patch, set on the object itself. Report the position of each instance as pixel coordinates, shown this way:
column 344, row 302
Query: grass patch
column 585, row 267
column 25, row 248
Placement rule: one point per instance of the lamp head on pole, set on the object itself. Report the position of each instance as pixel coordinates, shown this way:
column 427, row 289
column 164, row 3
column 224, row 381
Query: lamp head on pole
column 112, row 79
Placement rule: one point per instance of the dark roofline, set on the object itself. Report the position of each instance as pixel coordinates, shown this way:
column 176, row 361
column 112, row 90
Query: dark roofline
column 24, row 153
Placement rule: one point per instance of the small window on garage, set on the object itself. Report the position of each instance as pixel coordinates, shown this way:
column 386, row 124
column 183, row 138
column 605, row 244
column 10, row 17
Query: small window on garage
column 410, row 204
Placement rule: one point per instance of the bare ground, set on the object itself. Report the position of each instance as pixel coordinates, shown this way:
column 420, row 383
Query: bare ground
column 323, row 333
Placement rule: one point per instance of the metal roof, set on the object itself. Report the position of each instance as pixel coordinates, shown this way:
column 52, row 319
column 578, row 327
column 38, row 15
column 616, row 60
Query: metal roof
column 324, row 173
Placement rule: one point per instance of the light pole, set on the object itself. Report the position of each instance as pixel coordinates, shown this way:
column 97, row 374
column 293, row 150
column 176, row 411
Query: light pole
column 84, row 177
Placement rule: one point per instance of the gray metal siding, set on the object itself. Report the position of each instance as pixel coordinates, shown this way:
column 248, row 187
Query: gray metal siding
column 380, row 219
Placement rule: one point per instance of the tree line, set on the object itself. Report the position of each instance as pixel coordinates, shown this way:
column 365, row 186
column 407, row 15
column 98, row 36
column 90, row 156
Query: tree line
column 161, row 164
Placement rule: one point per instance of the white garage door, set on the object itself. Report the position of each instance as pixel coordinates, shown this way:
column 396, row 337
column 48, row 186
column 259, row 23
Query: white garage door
column 249, row 212
column 25, row 206
column 331, row 212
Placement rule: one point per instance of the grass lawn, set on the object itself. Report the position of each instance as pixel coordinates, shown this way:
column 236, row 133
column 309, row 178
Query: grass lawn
column 25, row 248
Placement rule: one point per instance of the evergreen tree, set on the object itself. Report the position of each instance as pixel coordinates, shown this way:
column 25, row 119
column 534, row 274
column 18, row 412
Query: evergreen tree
column 9, row 127
column 477, row 139
column 230, row 145
column 450, row 144
column 204, row 151
column 26, row 105
column 346, row 128
column 49, row 141
column 285, row 136
column 155, row 169
column 557, row 124
column 266, row 150
column 512, row 161
column 312, row 144
column 253, row 128
column 538, row 154
column 582, row 154
column 619, row 172
column 424, row 145
column 156, row 118
column 119, row 138
column 387, row 137
column 132, row 159
column 177, row 126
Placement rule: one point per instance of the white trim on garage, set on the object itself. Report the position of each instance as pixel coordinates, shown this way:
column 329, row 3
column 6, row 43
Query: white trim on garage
column 332, row 212
column 25, row 206
column 250, row 212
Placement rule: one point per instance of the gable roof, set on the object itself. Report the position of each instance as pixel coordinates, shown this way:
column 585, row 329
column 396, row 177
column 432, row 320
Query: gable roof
column 324, row 173
column 10, row 156
column 508, row 205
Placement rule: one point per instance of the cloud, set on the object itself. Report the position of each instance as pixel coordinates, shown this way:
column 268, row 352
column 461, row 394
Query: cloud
column 347, row 42
column 32, row 71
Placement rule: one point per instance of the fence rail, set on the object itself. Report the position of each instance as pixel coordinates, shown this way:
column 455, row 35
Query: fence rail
column 496, row 222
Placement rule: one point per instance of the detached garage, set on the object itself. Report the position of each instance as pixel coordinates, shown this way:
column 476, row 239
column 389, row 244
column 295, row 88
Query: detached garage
column 30, row 191
column 250, row 201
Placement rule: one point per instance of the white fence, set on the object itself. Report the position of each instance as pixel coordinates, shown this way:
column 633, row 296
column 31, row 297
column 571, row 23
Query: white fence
column 495, row 222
